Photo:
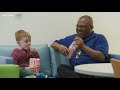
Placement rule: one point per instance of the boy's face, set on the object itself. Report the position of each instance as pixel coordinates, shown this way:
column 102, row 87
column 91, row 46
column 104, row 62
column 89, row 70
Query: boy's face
column 25, row 43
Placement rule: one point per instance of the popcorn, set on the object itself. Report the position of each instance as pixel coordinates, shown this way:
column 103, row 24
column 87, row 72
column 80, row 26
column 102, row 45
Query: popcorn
column 35, row 64
column 72, row 48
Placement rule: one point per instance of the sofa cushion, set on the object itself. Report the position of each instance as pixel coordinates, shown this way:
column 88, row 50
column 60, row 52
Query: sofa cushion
column 57, row 59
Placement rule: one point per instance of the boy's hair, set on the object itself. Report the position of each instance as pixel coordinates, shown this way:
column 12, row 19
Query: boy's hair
column 20, row 34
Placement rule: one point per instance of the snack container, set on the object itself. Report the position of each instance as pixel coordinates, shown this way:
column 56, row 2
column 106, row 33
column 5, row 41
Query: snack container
column 35, row 63
column 72, row 49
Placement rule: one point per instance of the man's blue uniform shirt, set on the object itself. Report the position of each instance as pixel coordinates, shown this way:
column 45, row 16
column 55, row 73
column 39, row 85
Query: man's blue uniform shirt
column 95, row 41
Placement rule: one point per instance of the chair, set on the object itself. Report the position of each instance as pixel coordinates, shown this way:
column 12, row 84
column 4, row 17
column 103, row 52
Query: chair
column 116, row 67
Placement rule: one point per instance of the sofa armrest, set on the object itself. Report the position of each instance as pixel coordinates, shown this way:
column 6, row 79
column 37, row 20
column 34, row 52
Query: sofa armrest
column 56, row 59
column 6, row 60
column 115, row 56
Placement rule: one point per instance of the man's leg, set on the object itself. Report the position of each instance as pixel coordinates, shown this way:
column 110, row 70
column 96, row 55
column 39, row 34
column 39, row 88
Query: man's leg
column 67, row 71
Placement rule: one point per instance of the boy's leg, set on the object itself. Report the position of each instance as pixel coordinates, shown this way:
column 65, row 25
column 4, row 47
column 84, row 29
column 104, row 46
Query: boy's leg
column 46, row 72
column 43, row 74
column 24, row 72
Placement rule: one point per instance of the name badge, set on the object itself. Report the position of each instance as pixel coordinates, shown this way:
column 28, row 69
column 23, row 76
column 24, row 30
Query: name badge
column 78, row 54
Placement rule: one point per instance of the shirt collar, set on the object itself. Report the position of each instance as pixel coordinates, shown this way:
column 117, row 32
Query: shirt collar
column 92, row 35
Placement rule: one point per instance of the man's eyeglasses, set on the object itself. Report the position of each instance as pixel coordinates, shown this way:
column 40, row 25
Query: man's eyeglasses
column 82, row 26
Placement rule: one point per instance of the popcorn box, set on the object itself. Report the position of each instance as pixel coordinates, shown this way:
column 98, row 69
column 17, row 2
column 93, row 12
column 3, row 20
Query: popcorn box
column 35, row 63
column 72, row 48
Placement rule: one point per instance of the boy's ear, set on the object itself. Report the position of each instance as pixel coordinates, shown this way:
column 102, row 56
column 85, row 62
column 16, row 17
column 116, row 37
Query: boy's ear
column 18, row 42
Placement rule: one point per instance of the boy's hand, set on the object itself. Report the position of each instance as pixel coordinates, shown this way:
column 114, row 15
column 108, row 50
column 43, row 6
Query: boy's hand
column 29, row 68
column 33, row 49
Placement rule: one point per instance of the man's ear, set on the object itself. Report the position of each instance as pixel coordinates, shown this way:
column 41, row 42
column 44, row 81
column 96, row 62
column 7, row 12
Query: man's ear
column 92, row 27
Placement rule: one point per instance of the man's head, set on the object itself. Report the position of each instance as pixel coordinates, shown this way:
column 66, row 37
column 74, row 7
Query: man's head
column 23, row 39
column 84, row 26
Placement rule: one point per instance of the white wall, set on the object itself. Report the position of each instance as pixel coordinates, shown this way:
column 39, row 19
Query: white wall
column 45, row 27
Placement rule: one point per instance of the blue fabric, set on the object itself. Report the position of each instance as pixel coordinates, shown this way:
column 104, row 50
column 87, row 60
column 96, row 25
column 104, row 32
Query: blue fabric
column 6, row 60
column 9, row 60
column 43, row 50
column 115, row 56
column 94, row 41
column 57, row 59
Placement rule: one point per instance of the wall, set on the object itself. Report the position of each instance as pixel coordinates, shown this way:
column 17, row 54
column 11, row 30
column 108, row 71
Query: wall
column 45, row 27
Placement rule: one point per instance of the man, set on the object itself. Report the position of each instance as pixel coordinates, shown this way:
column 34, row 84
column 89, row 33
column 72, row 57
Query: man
column 92, row 47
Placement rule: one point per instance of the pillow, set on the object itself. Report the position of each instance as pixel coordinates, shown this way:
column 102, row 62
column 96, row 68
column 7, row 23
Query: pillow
column 6, row 60
column 9, row 71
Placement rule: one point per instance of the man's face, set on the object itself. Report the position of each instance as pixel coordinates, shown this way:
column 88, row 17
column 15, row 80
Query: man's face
column 25, row 43
column 83, row 27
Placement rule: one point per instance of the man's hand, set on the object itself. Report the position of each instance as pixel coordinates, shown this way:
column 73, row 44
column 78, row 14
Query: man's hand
column 63, row 49
column 79, row 42
column 97, row 55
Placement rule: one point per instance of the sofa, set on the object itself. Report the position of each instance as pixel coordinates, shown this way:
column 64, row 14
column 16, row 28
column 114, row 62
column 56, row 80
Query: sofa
column 43, row 50
column 49, row 58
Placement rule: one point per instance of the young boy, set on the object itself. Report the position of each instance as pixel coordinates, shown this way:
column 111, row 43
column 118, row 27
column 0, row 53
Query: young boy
column 22, row 55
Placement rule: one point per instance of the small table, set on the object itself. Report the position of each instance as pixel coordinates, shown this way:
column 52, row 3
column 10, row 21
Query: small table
column 96, row 69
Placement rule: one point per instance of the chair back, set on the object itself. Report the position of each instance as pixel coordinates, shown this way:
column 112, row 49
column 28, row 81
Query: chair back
column 116, row 67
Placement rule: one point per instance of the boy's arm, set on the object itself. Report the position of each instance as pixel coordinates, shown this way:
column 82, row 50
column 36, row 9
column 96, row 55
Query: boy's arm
column 34, row 53
column 15, row 57
column 29, row 68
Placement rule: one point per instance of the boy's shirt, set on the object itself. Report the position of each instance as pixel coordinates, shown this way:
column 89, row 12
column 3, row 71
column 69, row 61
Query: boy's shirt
column 21, row 57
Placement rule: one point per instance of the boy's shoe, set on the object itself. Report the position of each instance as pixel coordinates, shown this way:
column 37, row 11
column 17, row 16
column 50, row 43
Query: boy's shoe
column 40, row 75
column 31, row 76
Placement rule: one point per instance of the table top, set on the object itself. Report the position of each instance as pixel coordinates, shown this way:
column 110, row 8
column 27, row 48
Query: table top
column 96, row 69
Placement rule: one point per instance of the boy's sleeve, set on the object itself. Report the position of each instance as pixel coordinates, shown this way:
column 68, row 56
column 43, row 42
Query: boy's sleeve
column 15, row 57
column 34, row 54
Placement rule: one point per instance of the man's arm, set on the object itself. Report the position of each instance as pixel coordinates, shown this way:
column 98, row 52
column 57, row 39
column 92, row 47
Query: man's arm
column 61, row 48
column 55, row 46
column 97, row 55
